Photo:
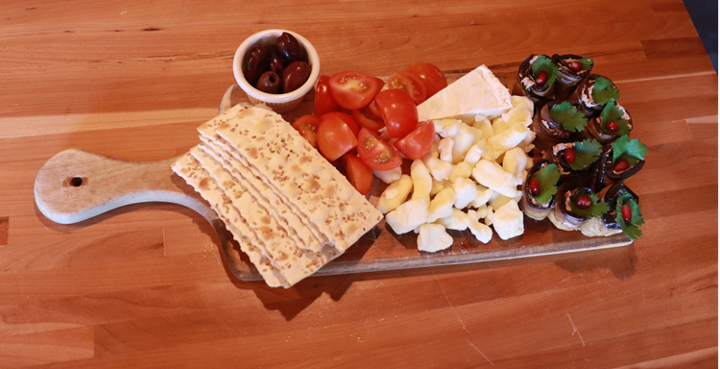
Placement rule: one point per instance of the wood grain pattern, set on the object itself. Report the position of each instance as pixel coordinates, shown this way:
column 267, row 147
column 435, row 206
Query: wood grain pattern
column 145, row 286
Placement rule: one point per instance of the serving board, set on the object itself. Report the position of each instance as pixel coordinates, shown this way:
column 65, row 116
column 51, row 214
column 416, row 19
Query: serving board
column 75, row 185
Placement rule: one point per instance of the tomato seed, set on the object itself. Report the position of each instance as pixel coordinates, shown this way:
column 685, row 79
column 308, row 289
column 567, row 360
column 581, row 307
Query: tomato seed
column 612, row 126
column 535, row 186
column 621, row 166
column 542, row 77
column 626, row 212
column 569, row 155
column 583, row 201
column 575, row 66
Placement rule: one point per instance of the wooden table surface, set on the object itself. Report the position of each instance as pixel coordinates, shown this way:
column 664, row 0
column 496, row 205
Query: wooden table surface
column 144, row 286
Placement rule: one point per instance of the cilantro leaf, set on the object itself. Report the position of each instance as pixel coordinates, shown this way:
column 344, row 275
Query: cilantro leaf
column 624, row 146
column 568, row 116
column 612, row 113
column 548, row 177
column 604, row 91
column 586, row 152
column 586, row 63
column 595, row 210
column 544, row 63
column 631, row 228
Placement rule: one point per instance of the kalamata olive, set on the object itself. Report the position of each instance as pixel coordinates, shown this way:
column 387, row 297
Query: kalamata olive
column 295, row 75
column 269, row 82
column 289, row 49
column 258, row 61
column 276, row 64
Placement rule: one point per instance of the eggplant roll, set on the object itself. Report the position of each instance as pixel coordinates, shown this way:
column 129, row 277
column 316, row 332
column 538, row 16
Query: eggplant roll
column 539, row 94
column 595, row 128
column 584, row 98
column 561, row 214
column 610, row 195
column 548, row 132
column 568, row 79
column 557, row 156
column 528, row 204
column 605, row 172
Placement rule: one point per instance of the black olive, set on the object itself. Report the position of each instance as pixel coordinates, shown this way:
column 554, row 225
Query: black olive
column 289, row 49
column 258, row 61
column 295, row 75
column 269, row 82
column 276, row 64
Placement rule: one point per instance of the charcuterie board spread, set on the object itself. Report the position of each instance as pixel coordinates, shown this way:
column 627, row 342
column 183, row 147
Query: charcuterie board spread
column 413, row 170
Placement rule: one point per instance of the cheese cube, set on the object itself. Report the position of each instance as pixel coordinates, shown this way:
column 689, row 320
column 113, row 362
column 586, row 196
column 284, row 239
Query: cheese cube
column 461, row 170
column 527, row 144
column 439, row 169
column 447, row 127
column 388, row 176
column 465, row 192
column 422, row 181
column 482, row 196
column 520, row 115
column 446, row 148
column 433, row 237
column 482, row 232
column 523, row 100
column 509, row 138
column 508, row 221
column 463, row 140
column 515, row 162
column 441, row 205
column 395, row 194
column 457, row 221
column 499, row 126
column 498, row 201
column 473, row 154
column 485, row 127
column 493, row 176
column 408, row 216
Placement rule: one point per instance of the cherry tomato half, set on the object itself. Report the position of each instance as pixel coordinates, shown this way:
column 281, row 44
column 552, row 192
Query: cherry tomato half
column 399, row 81
column 353, row 90
column 359, row 174
column 375, row 152
column 324, row 102
column 365, row 118
column 398, row 111
column 308, row 125
column 432, row 75
column 334, row 138
column 419, row 87
column 418, row 142
column 351, row 123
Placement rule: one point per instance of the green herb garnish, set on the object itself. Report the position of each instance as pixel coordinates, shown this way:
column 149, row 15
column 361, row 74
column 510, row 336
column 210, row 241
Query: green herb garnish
column 544, row 63
column 568, row 116
column 598, row 208
column 631, row 150
column 612, row 113
column 631, row 228
column 586, row 63
column 548, row 178
column 604, row 91
column 586, row 152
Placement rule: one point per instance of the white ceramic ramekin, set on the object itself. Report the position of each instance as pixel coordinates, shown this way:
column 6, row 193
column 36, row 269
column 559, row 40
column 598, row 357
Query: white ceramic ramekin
column 280, row 103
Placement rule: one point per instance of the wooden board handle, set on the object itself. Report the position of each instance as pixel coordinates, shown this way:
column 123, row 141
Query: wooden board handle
column 75, row 185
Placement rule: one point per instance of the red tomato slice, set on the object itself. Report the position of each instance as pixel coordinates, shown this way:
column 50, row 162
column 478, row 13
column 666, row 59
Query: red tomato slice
column 324, row 102
column 398, row 111
column 353, row 90
column 419, row 88
column 432, row 75
column 418, row 142
column 365, row 118
column 374, row 108
column 376, row 153
column 359, row 174
column 351, row 123
column 334, row 138
column 397, row 80
column 308, row 125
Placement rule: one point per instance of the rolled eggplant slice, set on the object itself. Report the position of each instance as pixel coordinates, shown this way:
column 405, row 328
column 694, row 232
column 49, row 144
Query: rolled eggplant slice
column 557, row 156
column 561, row 214
column 598, row 130
column 608, row 172
column 540, row 94
column 531, row 207
column 548, row 131
column 568, row 78
column 584, row 98
column 611, row 194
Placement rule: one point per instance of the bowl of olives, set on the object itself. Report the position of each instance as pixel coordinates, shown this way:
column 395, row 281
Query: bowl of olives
column 276, row 67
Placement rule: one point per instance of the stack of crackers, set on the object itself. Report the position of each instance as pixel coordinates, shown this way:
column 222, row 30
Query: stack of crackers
column 290, row 210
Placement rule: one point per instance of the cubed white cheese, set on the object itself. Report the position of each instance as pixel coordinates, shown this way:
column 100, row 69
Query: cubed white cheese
column 514, row 162
column 523, row 100
column 457, row 221
column 395, row 194
column 441, row 205
column 439, row 169
column 461, row 170
column 433, row 238
column 499, row 126
column 473, row 154
column 408, row 216
column 482, row 196
column 465, row 192
column 463, row 140
column 422, row 181
column 508, row 221
column 527, row 143
column 447, row 127
column 509, row 138
column 437, row 186
column 446, row 149
column 482, row 212
column 485, row 127
column 493, row 176
column 518, row 115
column 482, row 232
column 388, row 176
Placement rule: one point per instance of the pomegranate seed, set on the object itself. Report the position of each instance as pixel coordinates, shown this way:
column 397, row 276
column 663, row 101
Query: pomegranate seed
column 535, row 186
column 542, row 77
column 570, row 155
column 626, row 212
column 583, row 201
column 612, row 126
column 621, row 166
column 575, row 66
